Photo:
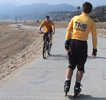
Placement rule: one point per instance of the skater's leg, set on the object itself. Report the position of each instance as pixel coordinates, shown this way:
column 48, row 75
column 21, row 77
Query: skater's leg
column 81, row 59
column 77, row 88
column 79, row 76
column 69, row 73
column 72, row 65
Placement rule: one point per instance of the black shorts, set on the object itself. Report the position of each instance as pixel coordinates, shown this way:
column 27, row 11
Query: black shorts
column 50, row 32
column 45, row 36
column 78, row 54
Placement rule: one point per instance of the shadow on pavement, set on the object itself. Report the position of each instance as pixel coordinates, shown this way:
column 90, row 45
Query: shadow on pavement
column 58, row 57
column 101, row 57
column 85, row 97
column 90, row 57
column 65, row 57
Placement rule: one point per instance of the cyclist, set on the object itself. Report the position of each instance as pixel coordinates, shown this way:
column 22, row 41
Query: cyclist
column 76, row 45
column 49, row 28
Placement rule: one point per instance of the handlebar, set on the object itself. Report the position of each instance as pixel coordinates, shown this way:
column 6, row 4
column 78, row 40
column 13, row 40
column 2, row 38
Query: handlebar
column 40, row 32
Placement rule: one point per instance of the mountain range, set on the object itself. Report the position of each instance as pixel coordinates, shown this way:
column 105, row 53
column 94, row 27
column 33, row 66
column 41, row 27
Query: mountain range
column 33, row 10
column 39, row 11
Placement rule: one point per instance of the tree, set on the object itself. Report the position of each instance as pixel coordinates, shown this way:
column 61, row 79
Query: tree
column 78, row 9
column 103, row 10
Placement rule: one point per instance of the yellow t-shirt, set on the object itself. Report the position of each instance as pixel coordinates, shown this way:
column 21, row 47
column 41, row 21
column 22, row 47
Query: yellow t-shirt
column 80, row 27
column 48, row 26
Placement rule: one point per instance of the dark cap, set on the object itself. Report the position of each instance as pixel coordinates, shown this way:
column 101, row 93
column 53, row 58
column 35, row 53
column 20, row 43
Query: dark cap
column 47, row 16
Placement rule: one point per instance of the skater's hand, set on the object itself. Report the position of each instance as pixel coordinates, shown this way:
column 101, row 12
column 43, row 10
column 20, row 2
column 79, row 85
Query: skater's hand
column 93, row 56
column 94, row 53
column 67, row 44
column 68, row 50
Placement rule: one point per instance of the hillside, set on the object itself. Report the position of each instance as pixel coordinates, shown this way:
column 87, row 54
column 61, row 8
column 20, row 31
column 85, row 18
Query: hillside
column 31, row 11
column 97, row 11
column 96, row 14
column 7, row 9
column 60, row 15
column 39, row 11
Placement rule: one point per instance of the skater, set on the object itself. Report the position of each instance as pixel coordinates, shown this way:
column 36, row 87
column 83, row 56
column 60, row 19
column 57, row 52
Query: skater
column 76, row 46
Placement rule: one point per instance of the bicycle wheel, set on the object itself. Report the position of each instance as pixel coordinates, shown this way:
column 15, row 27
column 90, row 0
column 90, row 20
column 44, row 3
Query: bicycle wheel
column 44, row 50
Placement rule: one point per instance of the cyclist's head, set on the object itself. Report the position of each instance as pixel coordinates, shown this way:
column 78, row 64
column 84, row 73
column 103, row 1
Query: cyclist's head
column 47, row 18
column 87, row 7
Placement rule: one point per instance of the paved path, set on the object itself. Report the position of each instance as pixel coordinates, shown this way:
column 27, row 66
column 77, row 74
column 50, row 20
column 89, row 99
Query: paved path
column 44, row 79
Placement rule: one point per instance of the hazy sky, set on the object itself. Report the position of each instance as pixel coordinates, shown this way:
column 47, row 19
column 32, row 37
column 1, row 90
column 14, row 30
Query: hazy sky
column 72, row 2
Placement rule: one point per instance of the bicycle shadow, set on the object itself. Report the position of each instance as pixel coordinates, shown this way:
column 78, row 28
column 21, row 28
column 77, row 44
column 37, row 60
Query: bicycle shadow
column 85, row 97
column 65, row 57
column 58, row 57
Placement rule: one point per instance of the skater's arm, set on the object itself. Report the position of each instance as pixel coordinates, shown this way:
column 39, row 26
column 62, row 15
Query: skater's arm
column 68, row 36
column 94, row 40
column 69, row 30
column 94, row 36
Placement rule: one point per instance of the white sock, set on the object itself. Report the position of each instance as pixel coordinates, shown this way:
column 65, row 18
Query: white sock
column 67, row 79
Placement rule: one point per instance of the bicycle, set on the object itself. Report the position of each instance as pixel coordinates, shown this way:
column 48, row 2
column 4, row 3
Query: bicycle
column 46, row 46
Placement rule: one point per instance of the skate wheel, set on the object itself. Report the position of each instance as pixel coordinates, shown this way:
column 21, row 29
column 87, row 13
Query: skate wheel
column 65, row 94
column 76, row 95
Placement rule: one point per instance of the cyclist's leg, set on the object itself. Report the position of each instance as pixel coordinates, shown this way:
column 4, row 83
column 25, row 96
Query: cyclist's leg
column 50, row 37
column 47, row 39
column 44, row 37
column 45, row 45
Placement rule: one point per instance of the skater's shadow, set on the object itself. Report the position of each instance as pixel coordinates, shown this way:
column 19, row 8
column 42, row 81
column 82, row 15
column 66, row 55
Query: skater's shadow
column 90, row 57
column 85, row 97
column 101, row 57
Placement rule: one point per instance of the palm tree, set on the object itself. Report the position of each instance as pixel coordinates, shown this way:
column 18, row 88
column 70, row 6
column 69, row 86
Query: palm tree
column 78, row 9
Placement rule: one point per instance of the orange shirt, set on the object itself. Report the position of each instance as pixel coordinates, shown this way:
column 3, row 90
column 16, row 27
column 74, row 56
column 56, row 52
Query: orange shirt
column 80, row 27
column 48, row 26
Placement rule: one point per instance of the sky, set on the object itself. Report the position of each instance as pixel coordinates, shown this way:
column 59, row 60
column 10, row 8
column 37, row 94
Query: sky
column 53, row 2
